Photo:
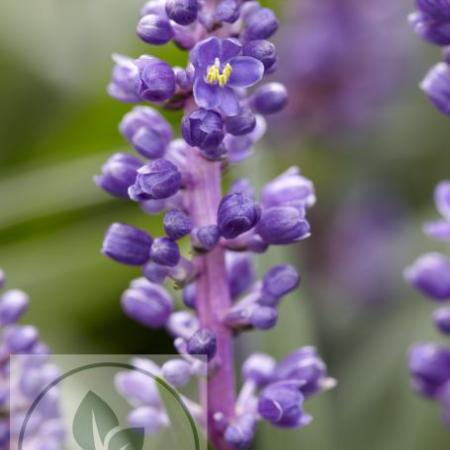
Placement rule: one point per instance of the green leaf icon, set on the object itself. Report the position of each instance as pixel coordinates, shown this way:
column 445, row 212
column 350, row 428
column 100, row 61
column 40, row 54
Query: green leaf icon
column 93, row 421
column 127, row 439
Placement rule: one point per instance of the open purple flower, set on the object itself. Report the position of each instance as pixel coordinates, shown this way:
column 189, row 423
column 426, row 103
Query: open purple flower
column 219, row 70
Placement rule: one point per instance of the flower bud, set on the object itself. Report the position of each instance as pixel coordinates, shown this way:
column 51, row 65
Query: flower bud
column 241, row 124
column 441, row 318
column 177, row 224
column 156, row 273
column 127, row 245
column 434, row 30
column 157, row 180
column 278, row 282
column 177, row 372
column 189, row 295
column 261, row 23
column 125, row 80
column 240, row 272
column 154, row 29
column 183, row 324
column 264, row 317
column 165, row 252
column 241, row 432
column 270, row 98
column 237, row 214
column 147, row 303
column 435, row 8
column 436, row 86
column 182, row 12
column 259, row 368
column 282, row 225
column 262, row 50
column 205, row 238
column 430, row 274
column 147, row 131
column 20, row 339
column 281, row 405
column 149, row 418
column 227, row 11
column 204, row 129
column 13, row 304
column 157, row 79
column 203, row 343
column 118, row 174
column 139, row 388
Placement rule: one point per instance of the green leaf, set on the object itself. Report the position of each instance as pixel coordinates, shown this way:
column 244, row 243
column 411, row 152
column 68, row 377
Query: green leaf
column 93, row 420
column 128, row 439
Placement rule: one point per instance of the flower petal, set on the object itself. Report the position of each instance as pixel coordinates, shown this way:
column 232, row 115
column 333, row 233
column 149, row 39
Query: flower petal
column 228, row 102
column 206, row 95
column 230, row 49
column 206, row 52
column 247, row 71
column 439, row 229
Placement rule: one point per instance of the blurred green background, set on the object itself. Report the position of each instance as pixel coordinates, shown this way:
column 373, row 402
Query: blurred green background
column 58, row 126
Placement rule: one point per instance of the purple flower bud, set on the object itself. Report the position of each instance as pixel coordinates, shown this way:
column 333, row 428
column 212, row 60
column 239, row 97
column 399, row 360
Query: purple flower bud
column 189, row 295
column 182, row 12
column 203, row 129
column 237, row 214
column 430, row 274
column 436, row 86
column 157, row 180
column 227, row 11
column 12, row 305
column 155, row 272
column 183, row 324
column 261, row 23
column 259, row 368
column 203, row 343
column 278, row 282
column 177, row 224
column 241, row 124
column 204, row 239
column 241, row 274
column 441, row 318
column 147, row 417
column 243, row 186
column 157, row 79
column 147, row 303
column 20, row 339
column 442, row 198
column 164, row 251
column 262, row 50
column 118, row 174
column 289, row 188
column 435, row 8
column 241, row 432
column 147, row 131
column 125, row 81
column 270, row 98
column 438, row 229
column 177, row 372
column 127, row 245
column 154, row 29
column 264, row 317
column 434, row 30
column 281, row 405
column 282, row 225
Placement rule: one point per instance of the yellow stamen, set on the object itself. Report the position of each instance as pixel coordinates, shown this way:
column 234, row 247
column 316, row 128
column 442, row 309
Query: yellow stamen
column 214, row 76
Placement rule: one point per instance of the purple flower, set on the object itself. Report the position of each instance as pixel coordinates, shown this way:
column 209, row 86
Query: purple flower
column 177, row 372
column 441, row 318
column 259, row 368
column 154, row 29
column 177, row 224
column 165, row 252
column 270, row 98
column 219, row 70
column 278, row 282
column 240, row 433
column 203, row 343
column 433, row 29
column 436, row 86
column 13, row 304
column 205, row 238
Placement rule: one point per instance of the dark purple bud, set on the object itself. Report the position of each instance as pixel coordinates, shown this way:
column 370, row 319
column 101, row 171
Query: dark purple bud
column 157, row 180
column 203, row 129
column 20, row 339
column 434, row 30
column 240, row 272
column 441, row 318
column 430, row 274
column 147, row 303
column 278, row 282
column 241, row 124
column 261, row 23
column 154, row 29
column 237, row 214
column 118, row 174
column 262, row 50
column 177, row 372
column 227, row 11
column 264, row 317
column 125, row 80
column 435, row 8
column 164, row 251
column 157, row 79
column 205, row 238
column 127, row 244
column 282, row 225
column 241, row 432
column 189, row 295
column 281, row 405
column 182, row 12
column 147, row 131
column 13, row 304
column 259, row 368
column 156, row 273
column 203, row 343
column 436, row 86
column 270, row 98
column 177, row 224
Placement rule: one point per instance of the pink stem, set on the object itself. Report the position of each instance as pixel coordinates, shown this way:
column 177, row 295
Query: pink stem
column 213, row 294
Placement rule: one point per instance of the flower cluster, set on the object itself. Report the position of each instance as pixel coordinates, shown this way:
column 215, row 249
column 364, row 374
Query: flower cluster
column 23, row 381
column 224, row 116
column 429, row 363
column 432, row 23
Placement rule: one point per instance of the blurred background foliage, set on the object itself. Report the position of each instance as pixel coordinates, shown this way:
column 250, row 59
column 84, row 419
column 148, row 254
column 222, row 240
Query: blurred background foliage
column 58, row 126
